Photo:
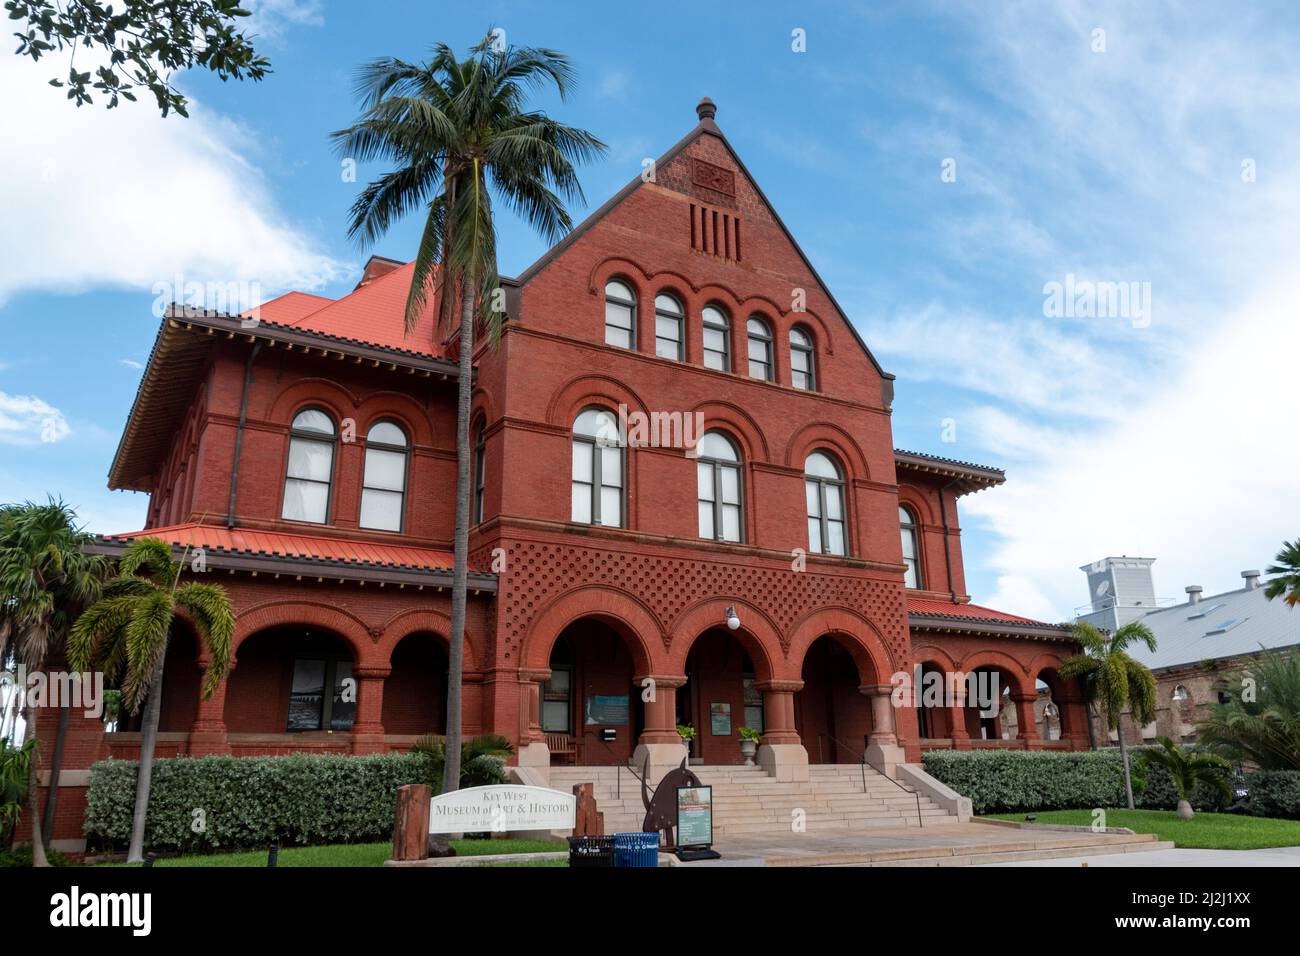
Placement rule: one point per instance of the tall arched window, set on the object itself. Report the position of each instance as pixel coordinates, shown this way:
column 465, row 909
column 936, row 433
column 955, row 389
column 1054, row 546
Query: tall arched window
column 760, row 349
column 480, row 469
column 824, row 489
column 802, row 369
column 717, row 339
column 311, row 467
column 911, row 553
column 669, row 320
column 383, row 487
column 620, row 315
column 717, row 472
column 597, row 469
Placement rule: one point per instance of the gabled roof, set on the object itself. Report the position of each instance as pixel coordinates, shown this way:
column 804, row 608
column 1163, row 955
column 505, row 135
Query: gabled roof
column 282, row 553
column 934, row 614
column 968, row 476
column 706, row 126
column 1231, row 624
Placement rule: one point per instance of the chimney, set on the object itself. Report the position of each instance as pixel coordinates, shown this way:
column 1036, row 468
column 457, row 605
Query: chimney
column 1251, row 578
column 1193, row 593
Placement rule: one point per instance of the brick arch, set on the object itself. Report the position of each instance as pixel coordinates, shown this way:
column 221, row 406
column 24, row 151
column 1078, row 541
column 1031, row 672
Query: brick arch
column 929, row 654
column 417, row 620
column 739, row 424
column 1070, row 688
column 482, row 404
column 757, row 634
column 313, row 391
column 820, row 434
column 854, row 632
column 583, row 390
column 345, row 625
column 402, row 408
column 817, row 328
column 1002, row 661
column 919, row 502
column 623, row 612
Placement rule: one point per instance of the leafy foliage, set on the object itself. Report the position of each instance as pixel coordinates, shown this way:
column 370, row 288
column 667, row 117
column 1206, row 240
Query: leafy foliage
column 1187, row 768
column 22, row 856
column 1275, row 793
column 1260, row 722
column 1008, row 780
column 15, row 761
column 483, row 759
column 141, row 44
column 220, row 801
column 1110, row 678
column 1285, row 582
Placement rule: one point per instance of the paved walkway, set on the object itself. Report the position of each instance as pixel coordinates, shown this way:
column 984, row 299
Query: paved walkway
column 1279, row 856
column 945, row 845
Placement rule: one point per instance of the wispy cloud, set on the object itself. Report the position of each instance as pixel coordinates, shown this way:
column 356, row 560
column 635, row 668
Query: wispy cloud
column 28, row 420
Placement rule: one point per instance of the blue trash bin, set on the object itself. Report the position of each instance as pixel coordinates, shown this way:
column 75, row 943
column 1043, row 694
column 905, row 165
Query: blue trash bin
column 636, row 849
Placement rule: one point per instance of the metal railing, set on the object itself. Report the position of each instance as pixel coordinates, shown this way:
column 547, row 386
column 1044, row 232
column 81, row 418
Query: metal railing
column 862, row 764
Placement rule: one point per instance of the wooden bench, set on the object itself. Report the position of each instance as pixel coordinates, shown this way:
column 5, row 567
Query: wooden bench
column 563, row 745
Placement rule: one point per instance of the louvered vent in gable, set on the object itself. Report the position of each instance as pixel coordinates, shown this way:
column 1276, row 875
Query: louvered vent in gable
column 715, row 231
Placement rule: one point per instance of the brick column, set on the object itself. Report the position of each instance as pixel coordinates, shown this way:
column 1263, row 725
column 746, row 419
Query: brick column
column 659, row 742
column 532, row 750
column 883, row 751
column 208, row 732
column 781, row 752
column 1027, row 729
column 368, row 728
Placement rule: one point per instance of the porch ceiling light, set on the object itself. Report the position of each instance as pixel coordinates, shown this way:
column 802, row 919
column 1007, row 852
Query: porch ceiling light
column 733, row 621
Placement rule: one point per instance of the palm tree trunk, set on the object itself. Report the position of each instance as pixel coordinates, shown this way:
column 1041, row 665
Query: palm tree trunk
column 1123, row 753
column 56, row 768
column 33, row 768
column 1092, row 730
column 148, row 742
column 460, row 546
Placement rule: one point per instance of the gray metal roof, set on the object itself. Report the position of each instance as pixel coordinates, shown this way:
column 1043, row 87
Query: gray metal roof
column 1219, row 625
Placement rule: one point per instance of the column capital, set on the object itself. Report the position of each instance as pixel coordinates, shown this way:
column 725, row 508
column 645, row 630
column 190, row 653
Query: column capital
column 876, row 690
column 669, row 681
column 371, row 673
column 534, row 675
column 780, row 686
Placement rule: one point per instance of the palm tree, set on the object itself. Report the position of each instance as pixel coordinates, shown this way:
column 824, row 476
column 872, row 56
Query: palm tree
column 457, row 131
column 127, row 632
column 1286, row 581
column 1260, row 721
column 1186, row 769
column 46, row 580
column 1117, row 681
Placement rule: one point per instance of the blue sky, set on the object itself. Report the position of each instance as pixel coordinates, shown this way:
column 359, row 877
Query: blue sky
column 1113, row 157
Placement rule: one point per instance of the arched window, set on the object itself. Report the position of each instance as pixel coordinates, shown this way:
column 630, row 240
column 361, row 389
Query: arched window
column 802, row 370
column 620, row 315
column 311, row 467
column 1180, row 693
column 597, row 469
column 669, row 320
column 824, row 489
column 480, row 446
column 717, row 471
column 911, row 553
column 717, row 339
column 383, row 487
column 760, row 349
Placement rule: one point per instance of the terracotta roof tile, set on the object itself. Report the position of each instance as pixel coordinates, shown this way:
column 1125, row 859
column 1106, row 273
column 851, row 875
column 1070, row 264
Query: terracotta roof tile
column 974, row 612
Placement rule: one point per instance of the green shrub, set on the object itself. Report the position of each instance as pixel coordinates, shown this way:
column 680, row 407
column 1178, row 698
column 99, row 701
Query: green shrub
column 22, row 856
column 1000, row 781
column 198, row 804
column 1159, row 793
column 1275, row 793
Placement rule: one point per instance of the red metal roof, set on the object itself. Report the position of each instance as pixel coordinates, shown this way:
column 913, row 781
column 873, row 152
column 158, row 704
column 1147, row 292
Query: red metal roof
column 974, row 612
column 279, row 545
column 290, row 307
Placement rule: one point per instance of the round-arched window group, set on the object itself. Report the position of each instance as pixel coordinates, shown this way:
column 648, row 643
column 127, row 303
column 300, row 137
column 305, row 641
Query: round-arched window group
column 670, row 328
column 309, row 475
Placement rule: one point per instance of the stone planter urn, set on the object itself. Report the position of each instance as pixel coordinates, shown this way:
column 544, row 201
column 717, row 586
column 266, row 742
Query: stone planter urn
column 747, row 749
column 1184, row 810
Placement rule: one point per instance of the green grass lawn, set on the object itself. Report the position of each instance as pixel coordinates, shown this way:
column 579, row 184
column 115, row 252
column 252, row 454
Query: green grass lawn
column 358, row 854
column 1206, row 831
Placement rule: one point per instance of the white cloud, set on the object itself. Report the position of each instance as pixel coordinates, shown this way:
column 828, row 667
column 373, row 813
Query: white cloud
column 124, row 198
column 132, row 364
column 28, row 420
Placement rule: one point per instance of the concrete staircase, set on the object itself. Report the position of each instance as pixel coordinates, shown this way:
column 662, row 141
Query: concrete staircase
column 747, row 801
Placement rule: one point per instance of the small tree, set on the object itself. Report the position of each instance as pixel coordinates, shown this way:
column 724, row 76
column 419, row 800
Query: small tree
column 1285, row 582
column 1118, row 682
column 1186, row 769
column 1259, row 723
column 127, row 632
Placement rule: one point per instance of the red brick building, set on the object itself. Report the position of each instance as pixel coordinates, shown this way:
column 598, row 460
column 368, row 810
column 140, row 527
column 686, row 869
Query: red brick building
column 310, row 456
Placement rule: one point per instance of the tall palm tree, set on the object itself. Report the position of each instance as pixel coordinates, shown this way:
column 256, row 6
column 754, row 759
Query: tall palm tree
column 1118, row 682
column 1261, row 727
column 46, row 580
column 1186, row 769
column 458, row 132
column 126, row 633
column 1285, row 582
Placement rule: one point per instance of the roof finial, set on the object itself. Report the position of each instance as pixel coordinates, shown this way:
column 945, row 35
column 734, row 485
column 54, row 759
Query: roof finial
column 706, row 109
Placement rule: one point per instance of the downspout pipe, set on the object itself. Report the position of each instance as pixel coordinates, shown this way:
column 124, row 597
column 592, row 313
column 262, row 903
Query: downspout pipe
column 239, row 434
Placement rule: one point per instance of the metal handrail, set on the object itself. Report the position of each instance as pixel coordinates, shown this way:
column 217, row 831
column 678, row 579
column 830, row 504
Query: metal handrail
column 862, row 757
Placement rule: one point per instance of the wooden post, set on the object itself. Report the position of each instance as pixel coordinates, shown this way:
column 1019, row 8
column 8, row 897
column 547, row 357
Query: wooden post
column 411, row 828
column 588, row 821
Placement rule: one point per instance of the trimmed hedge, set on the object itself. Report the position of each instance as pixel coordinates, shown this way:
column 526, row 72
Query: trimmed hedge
column 1006, row 781
column 200, row 803
column 1275, row 793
